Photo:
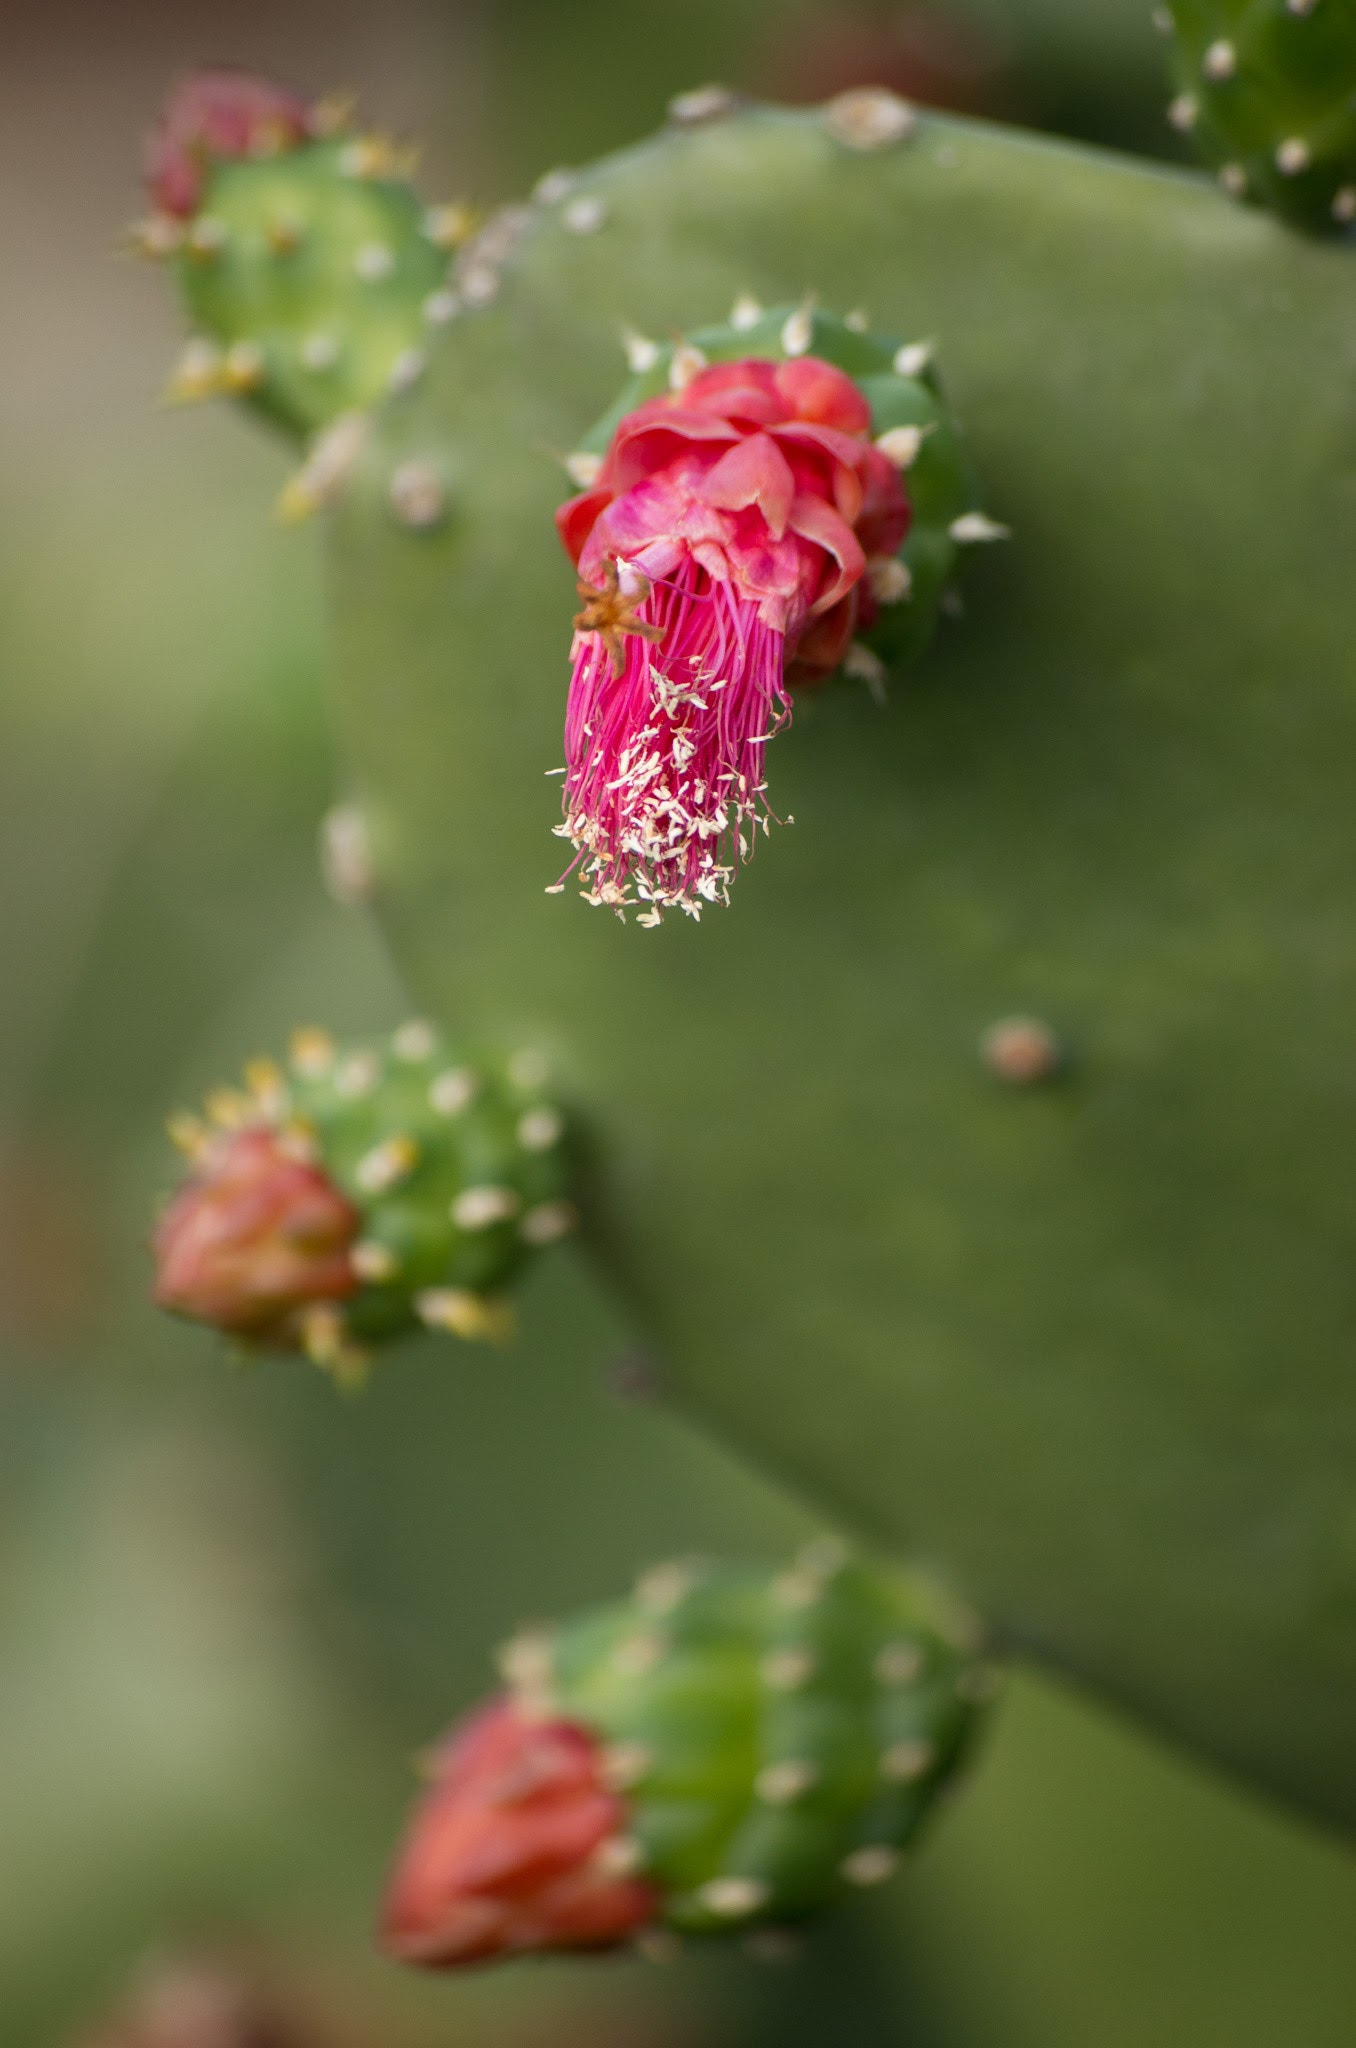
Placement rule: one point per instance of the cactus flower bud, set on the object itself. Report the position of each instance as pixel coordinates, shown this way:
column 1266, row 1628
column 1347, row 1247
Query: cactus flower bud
column 365, row 1192
column 745, row 519
column 727, row 1749
column 312, row 272
column 218, row 115
column 253, row 1237
column 508, row 1851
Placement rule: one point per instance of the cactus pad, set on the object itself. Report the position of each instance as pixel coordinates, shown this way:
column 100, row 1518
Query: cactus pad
column 1086, row 1336
column 751, row 1747
column 1267, row 92
column 366, row 1192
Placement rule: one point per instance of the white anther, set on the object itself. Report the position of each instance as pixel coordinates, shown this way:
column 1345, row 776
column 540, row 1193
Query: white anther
column 890, row 580
column 1293, row 157
column 641, row 353
column 871, row 1865
column 904, row 1762
column 798, row 331
column 901, row 444
column 454, row 1090
column 870, row 117
column 416, row 494
column 734, row 1897
column 745, row 313
column 372, row 1261
column 585, row 215
column 480, row 1208
column 319, row 352
column 787, row 1670
column 540, row 1129
column 899, row 1663
column 357, row 1076
column 702, row 103
column 974, row 527
column 780, row 1784
column 688, row 362
column 1182, row 111
column 548, row 1223
column 388, row 1163
column 374, row 262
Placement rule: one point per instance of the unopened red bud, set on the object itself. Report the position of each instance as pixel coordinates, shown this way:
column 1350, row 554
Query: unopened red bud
column 509, row 1849
column 218, row 114
column 254, row 1236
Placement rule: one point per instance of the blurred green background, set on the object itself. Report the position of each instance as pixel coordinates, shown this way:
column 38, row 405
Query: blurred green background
column 233, row 1605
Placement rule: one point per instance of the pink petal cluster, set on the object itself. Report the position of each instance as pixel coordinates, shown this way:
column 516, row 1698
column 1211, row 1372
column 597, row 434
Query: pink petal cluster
column 218, row 114
column 254, row 1236
column 508, row 1851
column 739, row 513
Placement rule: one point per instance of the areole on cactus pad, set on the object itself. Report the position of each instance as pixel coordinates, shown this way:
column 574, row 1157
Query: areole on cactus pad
column 757, row 503
column 366, row 1192
column 728, row 1748
column 313, row 273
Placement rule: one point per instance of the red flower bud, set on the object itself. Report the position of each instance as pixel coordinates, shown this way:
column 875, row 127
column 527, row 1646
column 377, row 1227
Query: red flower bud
column 218, row 114
column 255, row 1235
column 514, row 1847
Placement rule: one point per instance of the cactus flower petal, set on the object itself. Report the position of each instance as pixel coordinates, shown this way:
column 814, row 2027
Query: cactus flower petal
column 218, row 114
column 254, row 1236
column 507, row 1851
column 726, row 515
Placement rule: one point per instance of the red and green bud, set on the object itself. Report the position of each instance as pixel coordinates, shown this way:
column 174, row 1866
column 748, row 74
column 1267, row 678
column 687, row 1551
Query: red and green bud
column 365, row 1192
column 312, row 272
column 728, row 1749
column 759, row 504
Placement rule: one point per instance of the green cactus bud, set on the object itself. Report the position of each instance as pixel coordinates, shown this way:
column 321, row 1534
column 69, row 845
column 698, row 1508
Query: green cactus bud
column 1267, row 92
column 311, row 270
column 366, row 1192
column 736, row 1748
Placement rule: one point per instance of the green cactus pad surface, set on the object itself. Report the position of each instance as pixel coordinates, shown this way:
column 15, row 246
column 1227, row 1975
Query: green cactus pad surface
column 312, row 276
column 900, row 383
column 778, row 1738
column 1086, row 1341
column 1267, row 92
column 456, row 1166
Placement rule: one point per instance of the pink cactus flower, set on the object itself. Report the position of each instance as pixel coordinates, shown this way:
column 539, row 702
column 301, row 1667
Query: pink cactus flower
column 514, row 1847
column 721, row 556
column 218, row 114
column 253, row 1238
